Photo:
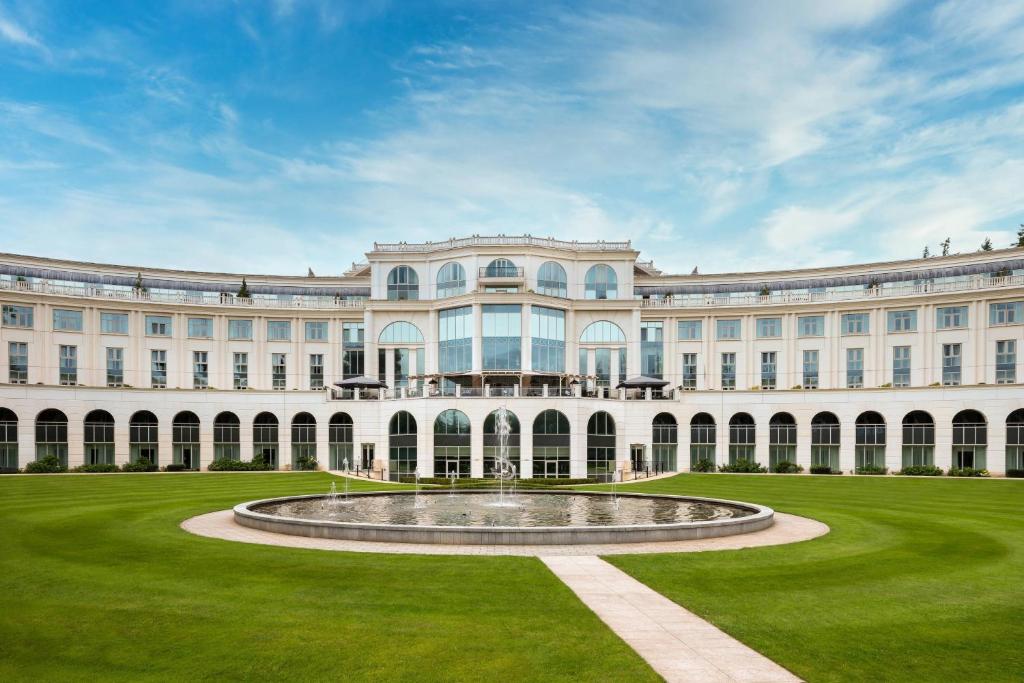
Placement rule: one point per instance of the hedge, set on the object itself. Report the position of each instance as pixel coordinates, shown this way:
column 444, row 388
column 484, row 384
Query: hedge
column 824, row 469
column 967, row 472
column 47, row 465
column 743, row 465
column 787, row 467
column 99, row 467
column 703, row 465
column 922, row 471
column 872, row 469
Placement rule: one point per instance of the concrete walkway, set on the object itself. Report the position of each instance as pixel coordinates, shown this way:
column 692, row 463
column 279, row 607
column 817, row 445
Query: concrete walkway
column 677, row 644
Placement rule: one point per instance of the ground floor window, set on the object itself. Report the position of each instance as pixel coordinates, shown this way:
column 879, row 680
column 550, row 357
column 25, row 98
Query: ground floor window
column 601, row 462
column 825, row 456
column 738, row 451
column 187, row 455
column 341, row 456
column 550, row 461
column 1014, row 457
column 701, row 451
column 401, row 462
column 870, row 456
column 969, row 456
column 265, row 451
column 303, row 453
column 451, row 460
column 918, row 455
column 663, row 457
column 781, row 453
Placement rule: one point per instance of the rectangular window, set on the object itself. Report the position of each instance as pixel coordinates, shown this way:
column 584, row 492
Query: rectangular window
column 811, row 326
column 603, row 367
column 114, row 323
column 854, row 368
column 115, row 367
column 240, row 370
column 810, row 369
column 353, row 363
column 689, row 371
column 727, row 329
column 1006, row 362
column 68, row 364
column 382, row 364
column 901, row 366
column 547, row 339
column 240, row 330
column 201, row 328
column 17, row 362
column 200, row 370
column 316, row 330
column 690, row 329
column 622, row 364
column 651, row 349
column 1006, row 313
column 316, row 371
column 728, row 371
column 768, row 369
column 950, row 317
column 69, row 321
column 455, row 339
column 158, row 369
column 279, row 370
column 951, row 364
column 902, row 321
column 279, row 330
column 158, row 325
column 421, row 364
column 584, row 370
column 855, row 323
column 502, row 337
column 769, row 328
column 17, row 316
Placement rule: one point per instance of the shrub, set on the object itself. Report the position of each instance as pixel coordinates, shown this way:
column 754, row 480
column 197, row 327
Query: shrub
column 921, row 471
column 872, row 469
column 1016, row 474
column 468, row 482
column 824, row 469
column 98, row 467
column 967, row 472
column 306, row 462
column 174, row 467
column 47, row 465
column 787, row 467
column 743, row 465
column 703, row 465
column 139, row 466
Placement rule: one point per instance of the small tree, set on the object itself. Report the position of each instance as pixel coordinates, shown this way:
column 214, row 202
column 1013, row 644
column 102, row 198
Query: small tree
column 1020, row 237
column 986, row 245
column 138, row 286
column 243, row 291
column 945, row 247
column 926, row 253
column 765, row 291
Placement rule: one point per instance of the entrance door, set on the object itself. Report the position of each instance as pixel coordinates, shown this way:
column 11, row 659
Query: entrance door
column 186, row 457
column 550, row 468
column 367, row 453
column 636, row 457
column 269, row 454
column 963, row 457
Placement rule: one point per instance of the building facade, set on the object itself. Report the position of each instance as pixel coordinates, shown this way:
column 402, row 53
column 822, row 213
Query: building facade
column 886, row 364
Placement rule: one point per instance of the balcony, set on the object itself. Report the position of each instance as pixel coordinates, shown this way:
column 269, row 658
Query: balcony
column 493, row 275
column 503, row 391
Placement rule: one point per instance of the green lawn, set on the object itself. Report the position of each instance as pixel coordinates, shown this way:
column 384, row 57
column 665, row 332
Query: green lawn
column 919, row 579
column 98, row 582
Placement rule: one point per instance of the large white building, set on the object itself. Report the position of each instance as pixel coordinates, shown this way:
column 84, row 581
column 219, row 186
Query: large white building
column 887, row 364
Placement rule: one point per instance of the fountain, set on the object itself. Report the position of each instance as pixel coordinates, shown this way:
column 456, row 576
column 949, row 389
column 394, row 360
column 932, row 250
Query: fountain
column 504, row 469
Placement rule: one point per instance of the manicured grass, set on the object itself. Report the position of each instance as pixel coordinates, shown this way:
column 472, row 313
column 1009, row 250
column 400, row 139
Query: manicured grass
column 99, row 583
column 919, row 580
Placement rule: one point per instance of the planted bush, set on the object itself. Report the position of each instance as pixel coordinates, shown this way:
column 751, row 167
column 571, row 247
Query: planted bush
column 743, row 465
column 98, row 467
column 139, row 466
column 967, row 472
column 306, row 461
column 174, row 467
column 703, row 465
column 824, row 469
column 47, row 465
column 787, row 467
column 921, row 471
column 1016, row 474
column 872, row 469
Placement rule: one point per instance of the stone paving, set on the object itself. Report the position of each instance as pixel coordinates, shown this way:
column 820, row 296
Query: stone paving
column 677, row 644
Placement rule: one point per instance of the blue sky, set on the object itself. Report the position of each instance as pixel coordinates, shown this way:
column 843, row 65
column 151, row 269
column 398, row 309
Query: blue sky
column 276, row 136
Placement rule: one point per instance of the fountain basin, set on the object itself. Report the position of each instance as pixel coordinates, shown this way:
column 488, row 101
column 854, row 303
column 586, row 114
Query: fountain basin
column 473, row 517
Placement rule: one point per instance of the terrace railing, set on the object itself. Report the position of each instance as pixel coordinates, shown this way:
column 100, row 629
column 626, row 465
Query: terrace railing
column 500, row 240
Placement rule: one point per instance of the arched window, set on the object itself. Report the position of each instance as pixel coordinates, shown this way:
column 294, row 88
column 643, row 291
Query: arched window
column 601, row 446
column 602, row 332
column 403, row 284
column 702, row 441
column 52, row 435
column 501, row 267
column 401, row 446
column 451, row 280
column 870, row 440
column 144, row 438
column 227, row 437
column 970, row 440
column 451, row 444
column 400, row 332
column 600, row 283
column 185, row 440
column 741, row 438
column 265, row 439
column 99, row 438
column 551, row 445
column 918, row 439
column 1015, row 441
column 339, row 441
column 551, row 280
column 781, row 439
column 303, row 442
column 491, row 442
column 8, row 440
column 664, row 442
column 825, row 441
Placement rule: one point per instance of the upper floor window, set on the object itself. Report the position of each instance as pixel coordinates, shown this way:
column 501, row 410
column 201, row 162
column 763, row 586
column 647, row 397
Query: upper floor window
column 855, row 323
column 602, row 332
column 158, row 325
column 811, row 326
column 601, row 283
column 70, row 321
column 114, row 323
column 403, row 284
column 17, row 316
column 501, row 267
column 690, row 329
column 401, row 332
column 240, row 329
column 727, row 329
column 950, row 317
column 352, row 334
column 551, row 280
column 279, row 330
column 316, row 330
column 902, row 321
column 1006, row 313
column 200, row 327
column 451, row 280
column 769, row 327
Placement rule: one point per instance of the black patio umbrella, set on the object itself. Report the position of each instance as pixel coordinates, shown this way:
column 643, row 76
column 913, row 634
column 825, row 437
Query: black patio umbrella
column 642, row 382
column 361, row 382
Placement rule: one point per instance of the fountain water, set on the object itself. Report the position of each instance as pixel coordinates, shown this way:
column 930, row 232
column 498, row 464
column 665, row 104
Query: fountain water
column 330, row 501
column 504, row 469
column 451, row 478
column 416, row 502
